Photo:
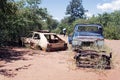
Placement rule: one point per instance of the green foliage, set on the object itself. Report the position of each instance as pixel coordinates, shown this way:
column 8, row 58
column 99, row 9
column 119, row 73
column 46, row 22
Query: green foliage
column 75, row 9
column 112, row 32
column 109, row 21
column 19, row 17
column 52, row 23
column 7, row 17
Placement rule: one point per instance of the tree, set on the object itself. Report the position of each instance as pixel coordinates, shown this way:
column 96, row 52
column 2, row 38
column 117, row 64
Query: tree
column 51, row 23
column 7, row 17
column 18, row 17
column 33, row 3
column 75, row 9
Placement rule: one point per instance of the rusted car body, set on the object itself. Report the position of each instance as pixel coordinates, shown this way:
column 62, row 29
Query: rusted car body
column 86, row 35
column 93, row 59
column 44, row 40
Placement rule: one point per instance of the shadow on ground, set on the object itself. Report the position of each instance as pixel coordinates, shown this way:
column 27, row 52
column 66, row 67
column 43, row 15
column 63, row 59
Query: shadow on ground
column 8, row 55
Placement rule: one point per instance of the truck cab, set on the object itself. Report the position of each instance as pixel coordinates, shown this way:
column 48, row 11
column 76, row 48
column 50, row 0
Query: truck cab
column 86, row 35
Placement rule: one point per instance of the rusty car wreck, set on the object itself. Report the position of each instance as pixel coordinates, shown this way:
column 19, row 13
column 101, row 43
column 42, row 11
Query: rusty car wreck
column 93, row 59
column 44, row 40
column 89, row 35
column 86, row 35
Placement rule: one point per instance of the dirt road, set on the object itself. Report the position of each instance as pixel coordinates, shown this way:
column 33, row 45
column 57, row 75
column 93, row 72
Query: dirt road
column 39, row 65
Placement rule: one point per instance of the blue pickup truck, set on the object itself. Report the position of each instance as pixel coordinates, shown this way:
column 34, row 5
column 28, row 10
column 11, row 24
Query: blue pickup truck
column 86, row 35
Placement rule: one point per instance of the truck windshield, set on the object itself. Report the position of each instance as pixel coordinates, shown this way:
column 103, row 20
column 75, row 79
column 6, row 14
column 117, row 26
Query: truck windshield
column 88, row 28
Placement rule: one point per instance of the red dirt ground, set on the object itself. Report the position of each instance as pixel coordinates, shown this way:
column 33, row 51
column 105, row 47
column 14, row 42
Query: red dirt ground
column 31, row 64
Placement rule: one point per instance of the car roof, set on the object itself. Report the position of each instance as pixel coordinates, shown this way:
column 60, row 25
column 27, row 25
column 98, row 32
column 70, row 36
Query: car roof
column 77, row 25
column 99, row 25
column 44, row 33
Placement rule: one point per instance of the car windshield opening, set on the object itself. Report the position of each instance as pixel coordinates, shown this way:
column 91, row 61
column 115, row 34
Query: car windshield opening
column 88, row 28
column 52, row 38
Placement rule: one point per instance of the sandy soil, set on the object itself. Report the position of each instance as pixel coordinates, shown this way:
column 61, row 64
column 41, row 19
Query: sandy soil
column 39, row 65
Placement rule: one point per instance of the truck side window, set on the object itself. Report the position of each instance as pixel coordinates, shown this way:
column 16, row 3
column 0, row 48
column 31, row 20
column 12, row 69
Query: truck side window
column 36, row 36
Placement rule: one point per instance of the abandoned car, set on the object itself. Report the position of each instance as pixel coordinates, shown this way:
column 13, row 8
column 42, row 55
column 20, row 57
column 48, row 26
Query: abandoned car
column 86, row 35
column 93, row 59
column 44, row 40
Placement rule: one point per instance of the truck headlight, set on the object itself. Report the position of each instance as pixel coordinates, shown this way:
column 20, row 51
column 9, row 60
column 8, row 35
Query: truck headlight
column 76, row 42
column 100, row 43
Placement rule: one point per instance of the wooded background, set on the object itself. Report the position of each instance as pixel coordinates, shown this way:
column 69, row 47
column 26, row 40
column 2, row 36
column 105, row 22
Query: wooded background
column 19, row 17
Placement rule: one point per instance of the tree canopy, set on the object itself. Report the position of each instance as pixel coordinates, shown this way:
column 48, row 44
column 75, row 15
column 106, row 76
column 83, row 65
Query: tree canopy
column 75, row 9
column 19, row 17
